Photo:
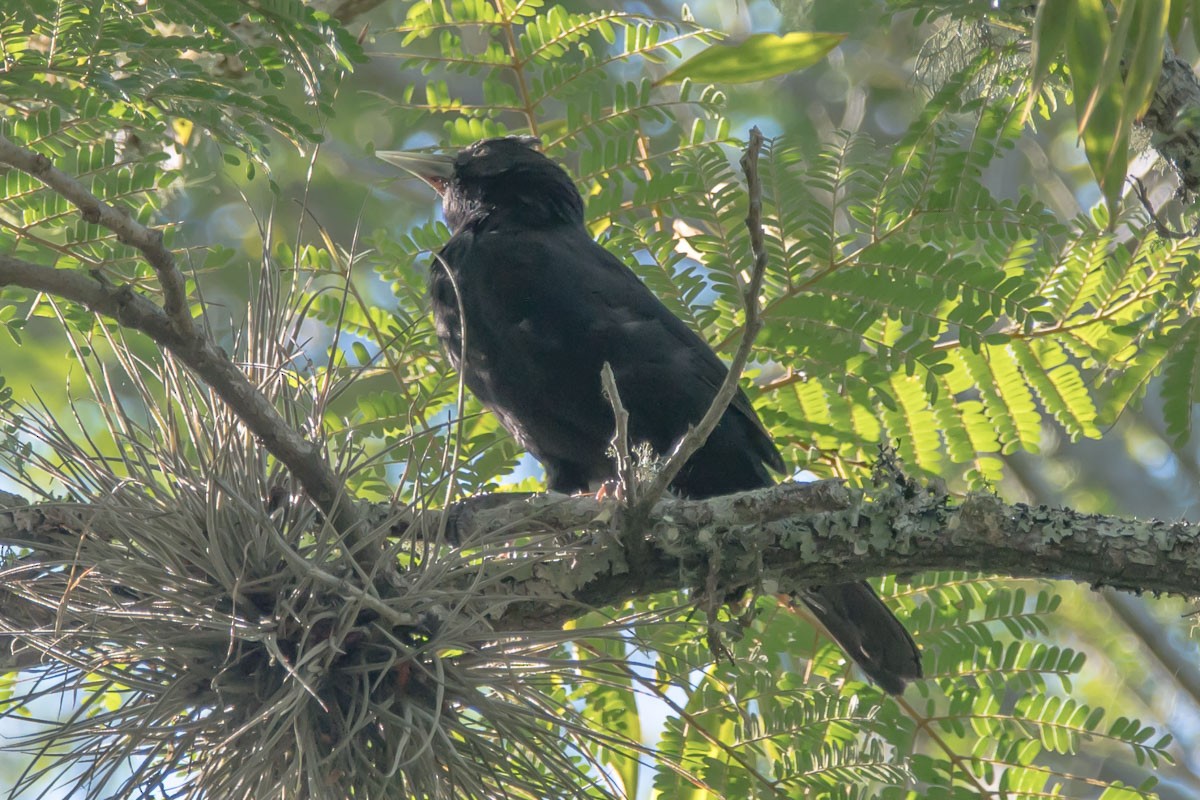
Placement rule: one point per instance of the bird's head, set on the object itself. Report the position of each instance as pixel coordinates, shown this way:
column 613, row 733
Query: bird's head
column 499, row 181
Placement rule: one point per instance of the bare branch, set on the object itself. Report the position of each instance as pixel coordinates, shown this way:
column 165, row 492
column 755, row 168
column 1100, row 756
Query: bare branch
column 1160, row 227
column 624, row 458
column 120, row 303
column 1170, row 117
column 345, row 10
column 172, row 327
column 148, row 241
column 697, row 436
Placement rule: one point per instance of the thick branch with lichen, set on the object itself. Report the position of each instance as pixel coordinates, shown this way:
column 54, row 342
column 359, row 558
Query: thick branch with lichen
column 793, row 535
column 776, row 539
column 1170, row 118
column 295, row 653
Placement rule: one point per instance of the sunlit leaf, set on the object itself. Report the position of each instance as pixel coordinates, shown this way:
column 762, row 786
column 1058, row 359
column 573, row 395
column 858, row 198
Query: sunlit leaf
column 758, row 57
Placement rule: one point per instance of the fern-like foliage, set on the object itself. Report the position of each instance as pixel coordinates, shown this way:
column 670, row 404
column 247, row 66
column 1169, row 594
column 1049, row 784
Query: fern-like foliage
column 905, row 302
column 71, row 93
column 198, row 63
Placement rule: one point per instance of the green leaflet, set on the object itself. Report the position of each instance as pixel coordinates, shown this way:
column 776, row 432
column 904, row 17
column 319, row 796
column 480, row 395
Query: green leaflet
column 1050, row 29
column 1181, row 379
column 758, row 57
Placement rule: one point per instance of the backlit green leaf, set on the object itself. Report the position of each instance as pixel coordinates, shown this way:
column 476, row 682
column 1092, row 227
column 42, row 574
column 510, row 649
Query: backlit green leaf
column 759, row 57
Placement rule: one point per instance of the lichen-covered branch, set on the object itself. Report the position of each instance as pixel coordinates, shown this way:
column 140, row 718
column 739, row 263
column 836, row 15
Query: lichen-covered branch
column 779, row 539
column 825, row 532
column 1171, row 119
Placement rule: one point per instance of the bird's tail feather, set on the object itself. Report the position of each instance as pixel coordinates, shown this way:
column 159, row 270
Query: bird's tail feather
column 868, row 631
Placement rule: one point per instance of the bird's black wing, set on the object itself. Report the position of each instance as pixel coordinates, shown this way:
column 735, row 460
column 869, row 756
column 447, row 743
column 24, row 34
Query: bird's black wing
column 545, row 309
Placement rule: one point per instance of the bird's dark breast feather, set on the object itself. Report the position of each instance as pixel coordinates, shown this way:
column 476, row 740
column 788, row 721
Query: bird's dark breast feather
column 545, row 309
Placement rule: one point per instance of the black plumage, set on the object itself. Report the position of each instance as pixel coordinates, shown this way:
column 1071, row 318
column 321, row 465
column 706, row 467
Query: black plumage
column 529, row 307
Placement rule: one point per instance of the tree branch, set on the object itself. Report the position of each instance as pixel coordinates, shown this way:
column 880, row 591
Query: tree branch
column 147, row 241
column 303, row 458
column 784, row 537
column 1171, row 119
column 826, row 533
column 171, row 326
column 345, row 10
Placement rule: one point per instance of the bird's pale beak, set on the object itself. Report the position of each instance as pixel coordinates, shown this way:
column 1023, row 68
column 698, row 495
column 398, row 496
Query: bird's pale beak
column 434, row 169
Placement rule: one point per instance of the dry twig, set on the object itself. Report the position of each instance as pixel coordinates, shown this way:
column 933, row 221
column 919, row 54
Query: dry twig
column 698, row 435
column 626, row 474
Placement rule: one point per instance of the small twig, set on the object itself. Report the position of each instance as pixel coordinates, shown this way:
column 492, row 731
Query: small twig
column 1160, row 227
column 625, row 470
column 450, row 454
column 633, row 538
column 147, row 241
column 698, row 435
column 713, row 600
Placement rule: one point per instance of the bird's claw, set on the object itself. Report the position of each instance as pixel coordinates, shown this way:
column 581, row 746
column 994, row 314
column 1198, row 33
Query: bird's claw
column 611, row 488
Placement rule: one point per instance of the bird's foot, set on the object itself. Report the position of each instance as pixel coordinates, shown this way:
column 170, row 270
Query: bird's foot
column 611, row 488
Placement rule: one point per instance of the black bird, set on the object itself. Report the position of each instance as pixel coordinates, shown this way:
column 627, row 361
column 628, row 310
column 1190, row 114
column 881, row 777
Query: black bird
column 529, row 307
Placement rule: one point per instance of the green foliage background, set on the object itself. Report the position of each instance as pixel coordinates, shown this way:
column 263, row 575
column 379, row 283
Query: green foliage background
column 942, row 279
